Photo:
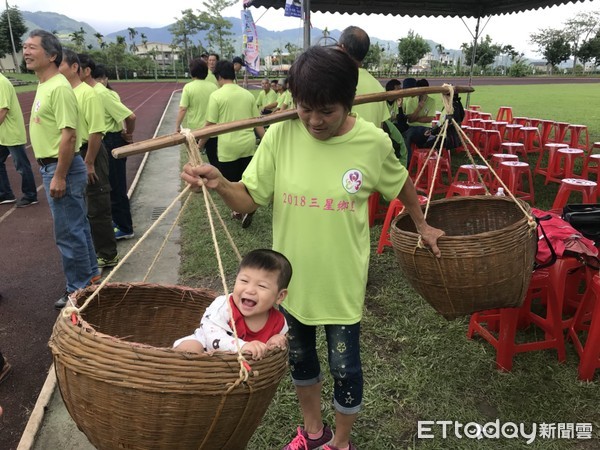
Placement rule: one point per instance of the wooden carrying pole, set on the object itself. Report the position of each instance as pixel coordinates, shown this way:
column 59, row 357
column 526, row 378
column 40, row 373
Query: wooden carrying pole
column 170, row 140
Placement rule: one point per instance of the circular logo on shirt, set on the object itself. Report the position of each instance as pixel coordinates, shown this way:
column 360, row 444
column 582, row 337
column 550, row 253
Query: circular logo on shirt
column 352, row 181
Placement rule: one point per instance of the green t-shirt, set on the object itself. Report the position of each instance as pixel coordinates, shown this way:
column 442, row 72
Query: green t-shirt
column 91, row 112
column 195, row 99
column 12, row 130
column 115, row 112
column 284, row 98
column 320, row 191
column 211, row 77
column 374, row 112
column 232, row 102
column 427, row 110
column 265, row 98
column 54, row 108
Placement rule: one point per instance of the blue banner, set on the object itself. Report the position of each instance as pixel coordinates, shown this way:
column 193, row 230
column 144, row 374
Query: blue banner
column 250, row 43
column 293, row 8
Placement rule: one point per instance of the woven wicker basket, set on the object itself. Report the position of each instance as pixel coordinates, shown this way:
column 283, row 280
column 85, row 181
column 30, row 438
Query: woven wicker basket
column 487, row 254
column 125, row 388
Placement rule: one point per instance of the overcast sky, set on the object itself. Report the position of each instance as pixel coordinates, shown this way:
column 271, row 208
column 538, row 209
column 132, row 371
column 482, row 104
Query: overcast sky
column 109, row 16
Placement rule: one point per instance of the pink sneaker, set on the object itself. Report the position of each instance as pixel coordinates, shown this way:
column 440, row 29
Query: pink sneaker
column 302, row 442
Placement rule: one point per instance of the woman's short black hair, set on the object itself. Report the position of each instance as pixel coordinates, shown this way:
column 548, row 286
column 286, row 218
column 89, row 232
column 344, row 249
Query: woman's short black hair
column 323, row 76
column 198, row 68
column 224, row 69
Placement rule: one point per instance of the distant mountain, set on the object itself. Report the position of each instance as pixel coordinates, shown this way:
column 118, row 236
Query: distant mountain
column 269, row 40
column 62, row 24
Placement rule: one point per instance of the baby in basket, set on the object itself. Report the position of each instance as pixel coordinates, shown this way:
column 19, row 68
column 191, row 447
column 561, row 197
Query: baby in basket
column 261, row 283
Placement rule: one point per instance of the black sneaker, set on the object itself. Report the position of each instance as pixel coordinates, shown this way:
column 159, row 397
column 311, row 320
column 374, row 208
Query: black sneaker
column 62, row 302
column 247, row 220
column 25, row 202
column 6, row 199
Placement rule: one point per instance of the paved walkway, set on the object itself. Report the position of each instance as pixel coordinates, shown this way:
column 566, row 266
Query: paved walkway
column 50, row 426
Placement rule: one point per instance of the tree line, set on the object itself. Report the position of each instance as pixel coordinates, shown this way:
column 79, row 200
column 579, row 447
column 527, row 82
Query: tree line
column 579, row 38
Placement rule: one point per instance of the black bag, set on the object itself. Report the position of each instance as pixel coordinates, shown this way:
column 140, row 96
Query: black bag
column 452, row 139
column 585, row 218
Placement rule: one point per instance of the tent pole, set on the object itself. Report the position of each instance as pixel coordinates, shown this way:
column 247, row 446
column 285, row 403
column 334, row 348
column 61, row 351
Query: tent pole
column 306, row 19
column 473, row 53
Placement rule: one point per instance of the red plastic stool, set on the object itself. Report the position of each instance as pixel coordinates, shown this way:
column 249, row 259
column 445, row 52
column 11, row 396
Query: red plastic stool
column 587, row 318
column 417, row 161
column 466, row 189
column 376, row 209
column 498, row 158
column 427, row 179
column 393, row 210
column 516, row 175
column 475, row 107
column 523, row 121
column 485, row 116
column 567, row 276
column 510, row 134
column 512, row 148
column 487, row 124
column 504, row 114
column 560, row 131
column 499, row 126
column 576, row 132
column 473, row 171
column 592, row 165
column 491, row 140
column 508, row 319
column 551, row 150
column 534, row 122
column 547, row 129
column 475, row 123
column 565, row 161
column 568, row 185
column 531, row 139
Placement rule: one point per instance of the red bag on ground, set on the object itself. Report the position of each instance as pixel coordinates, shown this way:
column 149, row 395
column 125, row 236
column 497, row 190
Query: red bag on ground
column 557, row 239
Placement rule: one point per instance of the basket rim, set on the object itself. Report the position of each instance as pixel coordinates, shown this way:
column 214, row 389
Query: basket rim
column 86, row 331
column 518, row 223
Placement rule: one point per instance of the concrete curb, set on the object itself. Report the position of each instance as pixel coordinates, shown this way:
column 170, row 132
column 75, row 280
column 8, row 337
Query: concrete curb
column 37, row 415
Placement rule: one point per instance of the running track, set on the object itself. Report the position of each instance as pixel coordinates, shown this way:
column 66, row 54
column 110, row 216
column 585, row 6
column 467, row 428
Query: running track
column 31, row 278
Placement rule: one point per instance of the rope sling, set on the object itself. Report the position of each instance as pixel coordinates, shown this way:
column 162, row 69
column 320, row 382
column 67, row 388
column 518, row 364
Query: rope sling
column 236, row 401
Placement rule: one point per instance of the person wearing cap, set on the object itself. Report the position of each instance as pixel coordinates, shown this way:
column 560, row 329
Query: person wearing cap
column 238, row 63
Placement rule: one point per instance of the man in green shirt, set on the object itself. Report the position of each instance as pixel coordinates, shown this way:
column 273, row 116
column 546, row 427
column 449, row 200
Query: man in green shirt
column 12, row 142
column 267, row 98
column 120, row 124
column 212, row 61
column 227, row 104
column 52, row 129
column 355, row 41
column 193, row 105
column 91, row 127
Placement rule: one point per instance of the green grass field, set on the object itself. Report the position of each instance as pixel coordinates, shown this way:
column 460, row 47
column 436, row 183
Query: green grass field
column 418, row 366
